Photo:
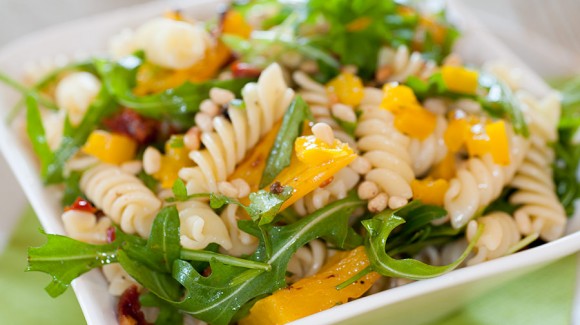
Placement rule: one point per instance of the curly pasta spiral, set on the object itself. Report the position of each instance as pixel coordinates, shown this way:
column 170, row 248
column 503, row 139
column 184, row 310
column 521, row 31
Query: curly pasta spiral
column 480, row 181
column 122, row 196
column 500, row 234
column 307, row 260
column 401, row 64
column 266, row 101
column 200, row 226
column 86, row 227
column 386, row 149
column 118, row 279
column 541, row 211
column 242, row 242
column 315, row 95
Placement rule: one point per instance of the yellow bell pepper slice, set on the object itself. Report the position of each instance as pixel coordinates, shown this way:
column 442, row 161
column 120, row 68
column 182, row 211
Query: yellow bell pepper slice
column 410, row 117
column 305, row 175
column 445, row 169
column 456, row 134
column 346, row 88
column 316, row 293
column 477, row 141
column 459, row 79
column 430, row 191
column 112, row 148
column 175, row 158
column 498, row 142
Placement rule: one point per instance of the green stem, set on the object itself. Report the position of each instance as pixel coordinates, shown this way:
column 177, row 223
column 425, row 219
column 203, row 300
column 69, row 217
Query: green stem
column 205, row 256
column 355, row 278
column 43, row 100
column 523, row 243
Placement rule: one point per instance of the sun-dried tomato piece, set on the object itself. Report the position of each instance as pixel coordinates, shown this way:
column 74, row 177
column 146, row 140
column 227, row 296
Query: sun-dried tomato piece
column 133, row 125
column 245, row 70
column 129, row 308
column 111, row 234
column 81, row 204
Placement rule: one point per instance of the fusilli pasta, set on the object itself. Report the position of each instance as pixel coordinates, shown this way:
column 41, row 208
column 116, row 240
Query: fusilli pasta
column 500, row 235
column 401, row 64
column 86, row 227
column 118, row 279
column 266, row 102
column 242, row 242
column 307, row 260
column 122, row 196
column 200, row 226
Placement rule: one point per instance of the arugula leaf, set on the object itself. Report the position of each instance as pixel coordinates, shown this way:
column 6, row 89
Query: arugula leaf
column 103, row 105
column 163, row 243
column 168, row 315
column 161, row 284
column 281, row 153
column 217, row 298
column 179, row 190
column 379, row 228
column 37, row 135
column 567, row 162
column 66, row 259
column 494, row 96
column 27, row 92
column 499, row 101
column 264, row 205
column 178, row 103
column 72, row 189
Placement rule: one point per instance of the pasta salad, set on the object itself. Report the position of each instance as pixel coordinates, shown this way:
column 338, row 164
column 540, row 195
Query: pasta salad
column 287, row 157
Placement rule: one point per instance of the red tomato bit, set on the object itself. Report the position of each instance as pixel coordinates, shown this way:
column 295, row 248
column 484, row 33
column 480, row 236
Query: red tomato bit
column 81, row 204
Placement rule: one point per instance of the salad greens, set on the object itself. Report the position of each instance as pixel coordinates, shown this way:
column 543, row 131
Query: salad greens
column 291, row 128
column 568, row 147
column 495, row 97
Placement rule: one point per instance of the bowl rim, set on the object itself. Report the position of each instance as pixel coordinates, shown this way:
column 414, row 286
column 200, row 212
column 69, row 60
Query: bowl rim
column 93, row 297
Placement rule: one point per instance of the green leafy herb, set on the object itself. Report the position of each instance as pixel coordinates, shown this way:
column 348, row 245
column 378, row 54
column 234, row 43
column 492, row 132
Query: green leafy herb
column 168, row 315
column 148, row 180
column 74, row 137
column 37, row 135
column 65, row 259
column 281, row 153
column 217, row 298
column 72, row 189
column 177, row 103
column 499, row 101
column 27, row 92
column 566, row 164
column 179, row 190
column 379, row 229
column 494, row 96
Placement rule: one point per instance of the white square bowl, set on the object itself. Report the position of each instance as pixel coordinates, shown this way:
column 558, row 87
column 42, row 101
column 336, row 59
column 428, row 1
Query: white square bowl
column 434, row 297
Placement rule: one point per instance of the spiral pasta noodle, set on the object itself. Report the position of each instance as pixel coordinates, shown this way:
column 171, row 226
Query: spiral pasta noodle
column 266, row 102
column 402, row 64
column 122, row 196
column 315, row 95
column 500, row 235
column 242, row 242
column 118, row 279
column 480, row 181
column 541, row 212
column 307, row 260
column 386, row 149
column 200, row 226
column 85, row 226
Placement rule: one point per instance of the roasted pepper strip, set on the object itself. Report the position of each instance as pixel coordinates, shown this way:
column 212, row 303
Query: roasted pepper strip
column 316, row 293
column 312, row 164
column 430, row 191
column 152, row 79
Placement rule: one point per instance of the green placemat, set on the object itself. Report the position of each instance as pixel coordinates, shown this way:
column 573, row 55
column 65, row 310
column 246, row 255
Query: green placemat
column 22, row 296
column 542, row 297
